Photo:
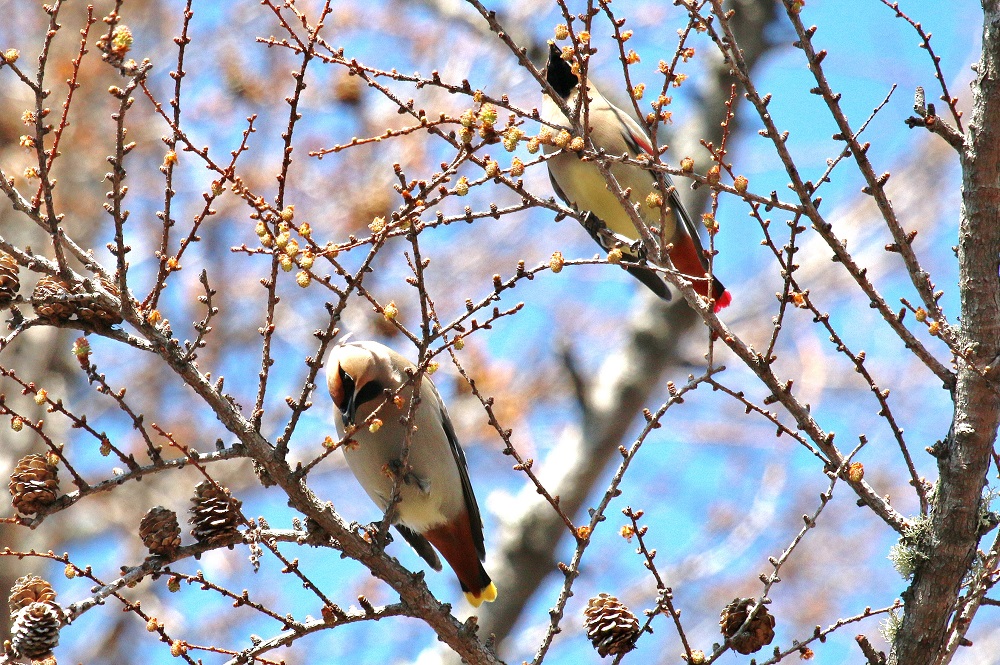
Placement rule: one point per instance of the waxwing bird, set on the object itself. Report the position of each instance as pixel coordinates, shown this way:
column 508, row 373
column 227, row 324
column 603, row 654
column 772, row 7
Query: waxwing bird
column 582, row 186
column 437, row 506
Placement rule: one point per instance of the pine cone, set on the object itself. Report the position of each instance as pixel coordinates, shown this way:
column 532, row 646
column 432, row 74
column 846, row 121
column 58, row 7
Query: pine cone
column 214, row 514
column 95, row 314
column 27, row 590
column 160, row 531
column 36, row 630
column 610, row 625
column 47, row 306
column 9, row 282
column 34, row 484
column 759, row 632
column 50, row 287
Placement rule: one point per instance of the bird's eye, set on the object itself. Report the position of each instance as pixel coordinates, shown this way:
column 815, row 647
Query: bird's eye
column 369, row 391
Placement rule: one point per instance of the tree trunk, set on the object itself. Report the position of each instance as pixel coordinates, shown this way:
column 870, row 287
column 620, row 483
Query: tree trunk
column 964, row 461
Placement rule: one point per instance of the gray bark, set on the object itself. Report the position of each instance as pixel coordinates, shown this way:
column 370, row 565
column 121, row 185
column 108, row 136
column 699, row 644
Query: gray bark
column 964, row 461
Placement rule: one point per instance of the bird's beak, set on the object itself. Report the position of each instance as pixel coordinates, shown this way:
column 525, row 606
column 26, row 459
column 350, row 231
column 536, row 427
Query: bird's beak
column 349, row 410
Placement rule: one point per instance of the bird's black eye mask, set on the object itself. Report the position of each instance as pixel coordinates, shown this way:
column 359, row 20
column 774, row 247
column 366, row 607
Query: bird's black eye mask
column 348, row 408
column 368, row 392
column 354, row 398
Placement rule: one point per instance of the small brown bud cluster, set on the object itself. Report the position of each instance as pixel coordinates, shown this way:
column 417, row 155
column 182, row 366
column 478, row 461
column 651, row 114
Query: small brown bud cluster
column 712, row 224
column 488, row 115
column 117, row 47
column 81, row 349
column 121, row 40
column 485, row 119
column 390, row 311
column 511, row 137
column 697, row 657
column 287, row 248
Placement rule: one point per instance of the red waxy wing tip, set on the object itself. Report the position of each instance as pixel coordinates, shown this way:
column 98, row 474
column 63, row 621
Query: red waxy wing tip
column 643, row 142
column 723, row 301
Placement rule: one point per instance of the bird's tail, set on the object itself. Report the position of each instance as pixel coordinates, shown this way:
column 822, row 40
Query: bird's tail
column 455, row 543
column 477, row 598
column 685, row 258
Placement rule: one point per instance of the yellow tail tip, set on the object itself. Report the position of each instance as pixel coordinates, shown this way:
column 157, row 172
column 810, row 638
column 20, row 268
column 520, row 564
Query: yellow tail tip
column 487, row 595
